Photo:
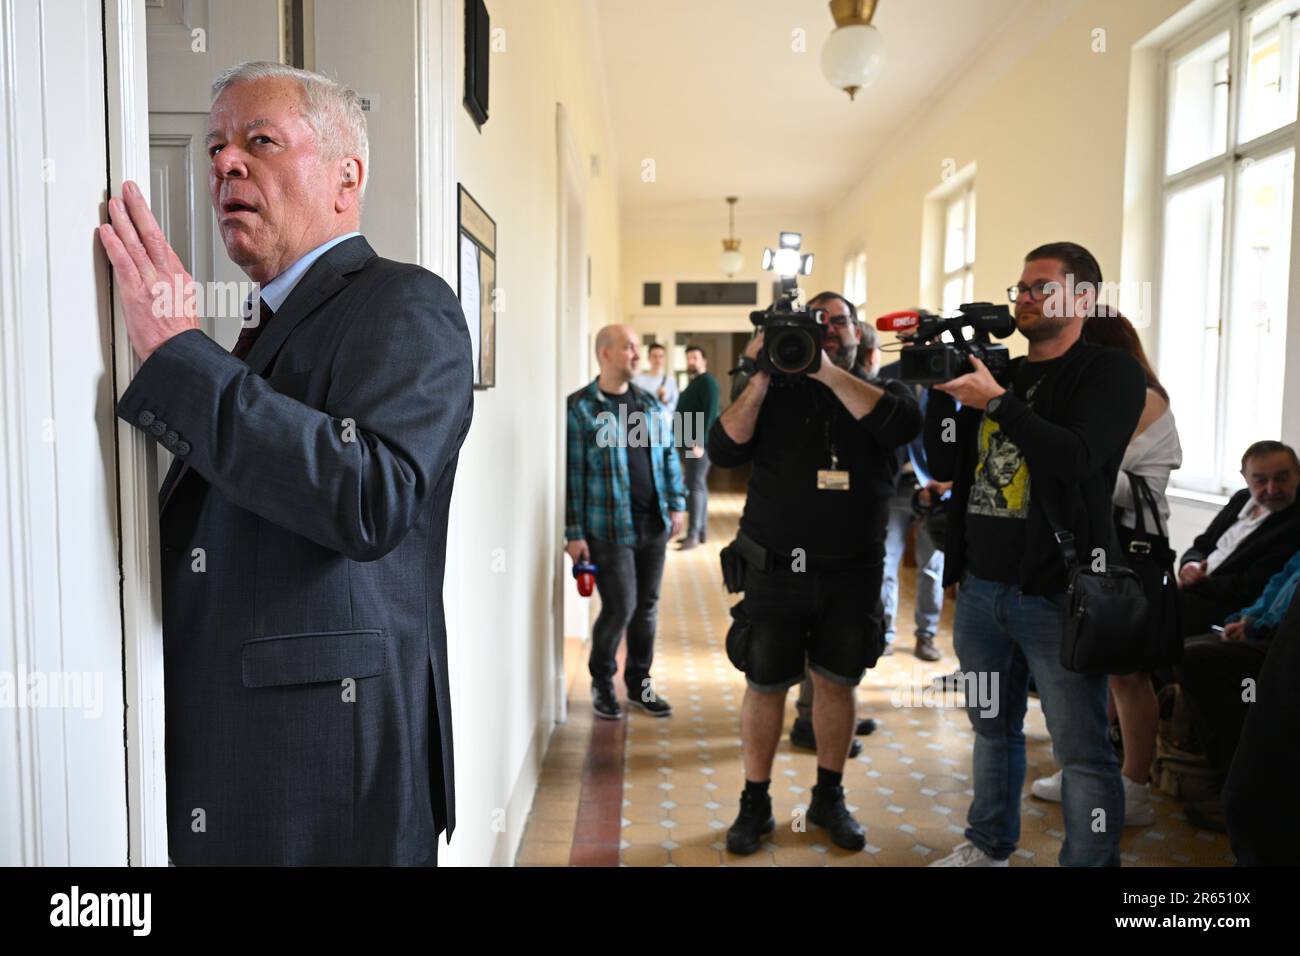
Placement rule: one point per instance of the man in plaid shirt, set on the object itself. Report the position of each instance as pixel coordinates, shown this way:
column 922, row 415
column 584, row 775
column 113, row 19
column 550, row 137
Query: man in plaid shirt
column 624, row 499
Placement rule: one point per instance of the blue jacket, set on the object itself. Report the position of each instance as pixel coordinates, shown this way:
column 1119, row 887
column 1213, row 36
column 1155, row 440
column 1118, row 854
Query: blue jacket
column 1267, row 612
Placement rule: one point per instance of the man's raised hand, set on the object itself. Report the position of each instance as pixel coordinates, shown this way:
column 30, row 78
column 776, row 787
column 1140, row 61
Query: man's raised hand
column 158, row 295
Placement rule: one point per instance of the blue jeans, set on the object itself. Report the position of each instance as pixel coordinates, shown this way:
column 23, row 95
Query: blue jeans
column 929, row 571
column 1007, row 635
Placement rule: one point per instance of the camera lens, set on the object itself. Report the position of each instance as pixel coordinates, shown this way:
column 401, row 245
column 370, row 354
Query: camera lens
column 791, row 352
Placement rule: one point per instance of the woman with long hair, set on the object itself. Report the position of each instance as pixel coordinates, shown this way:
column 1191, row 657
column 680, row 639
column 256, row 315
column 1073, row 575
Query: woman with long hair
column 1152, row 453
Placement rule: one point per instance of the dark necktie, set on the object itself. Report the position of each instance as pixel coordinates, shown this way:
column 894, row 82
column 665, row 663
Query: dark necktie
column 243, row 345
column 249, row 333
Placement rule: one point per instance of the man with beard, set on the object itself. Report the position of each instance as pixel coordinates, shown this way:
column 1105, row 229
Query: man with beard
column 1037, row 450
column 812, row 537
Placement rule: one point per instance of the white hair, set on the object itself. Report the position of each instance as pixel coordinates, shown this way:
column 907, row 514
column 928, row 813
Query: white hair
column 332, row 110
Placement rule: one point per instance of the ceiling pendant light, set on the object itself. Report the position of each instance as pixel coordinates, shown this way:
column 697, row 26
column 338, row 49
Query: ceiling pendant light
column 854, row 53
column 732, row 260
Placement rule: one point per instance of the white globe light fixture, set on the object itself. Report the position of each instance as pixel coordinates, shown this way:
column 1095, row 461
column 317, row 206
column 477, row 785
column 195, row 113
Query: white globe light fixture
column 732, row 260
column 854, row 54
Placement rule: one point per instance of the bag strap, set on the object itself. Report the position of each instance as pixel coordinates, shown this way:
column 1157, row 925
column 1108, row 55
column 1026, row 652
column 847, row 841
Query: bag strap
column 1064, row 538
column 1143, row 490
column 1136, row 488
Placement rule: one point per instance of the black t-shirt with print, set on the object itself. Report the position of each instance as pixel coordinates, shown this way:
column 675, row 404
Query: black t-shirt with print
column 640, row 472
column 999, row 495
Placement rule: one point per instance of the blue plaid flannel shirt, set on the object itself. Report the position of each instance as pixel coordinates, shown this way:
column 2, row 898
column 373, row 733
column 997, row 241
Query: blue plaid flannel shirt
column 598, row 494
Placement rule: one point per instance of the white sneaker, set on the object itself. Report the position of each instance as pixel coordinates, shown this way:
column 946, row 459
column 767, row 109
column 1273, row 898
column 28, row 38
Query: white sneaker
column 1047, row 788
column 1138, row 811
column 968, row 854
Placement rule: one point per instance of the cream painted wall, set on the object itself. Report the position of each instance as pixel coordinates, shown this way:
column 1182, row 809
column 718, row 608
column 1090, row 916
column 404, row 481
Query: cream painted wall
column 1047, row 137
column 667, row 251
column 510, row 469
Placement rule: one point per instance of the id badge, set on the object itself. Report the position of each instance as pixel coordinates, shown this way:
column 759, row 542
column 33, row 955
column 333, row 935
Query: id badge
column 829, row 479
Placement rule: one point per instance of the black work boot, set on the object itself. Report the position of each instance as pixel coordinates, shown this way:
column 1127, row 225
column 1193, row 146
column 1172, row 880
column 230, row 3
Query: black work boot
column 827, row 810
column 755, row 820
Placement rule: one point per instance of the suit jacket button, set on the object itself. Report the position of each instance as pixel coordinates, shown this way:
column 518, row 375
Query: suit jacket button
column 158, row 429
column 170, row 439
column 182, row 448
column 146, row 419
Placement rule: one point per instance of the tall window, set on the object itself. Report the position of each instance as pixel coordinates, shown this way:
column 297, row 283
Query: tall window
column 855, row 279
column 959, row 249
column 1228, row 173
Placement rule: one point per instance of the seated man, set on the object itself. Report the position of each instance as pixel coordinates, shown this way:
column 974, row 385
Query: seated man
column 1247, row 542
column 1219, row 674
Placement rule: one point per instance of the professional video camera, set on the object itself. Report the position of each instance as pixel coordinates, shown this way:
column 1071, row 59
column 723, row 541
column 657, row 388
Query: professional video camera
column 926, row 360
column 792, row 336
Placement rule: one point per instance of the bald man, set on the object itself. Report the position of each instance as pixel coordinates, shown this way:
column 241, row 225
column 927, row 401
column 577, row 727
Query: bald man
column 624, row 499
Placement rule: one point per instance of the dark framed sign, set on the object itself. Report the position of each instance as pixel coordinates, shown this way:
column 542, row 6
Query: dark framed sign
column 476, row 284
column 478, row 32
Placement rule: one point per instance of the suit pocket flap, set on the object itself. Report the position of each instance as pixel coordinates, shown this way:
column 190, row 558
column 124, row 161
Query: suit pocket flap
column 313, row 658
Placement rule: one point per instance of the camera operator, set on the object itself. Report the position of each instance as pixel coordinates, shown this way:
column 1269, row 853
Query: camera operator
column 1049, row 443
column 812, row 535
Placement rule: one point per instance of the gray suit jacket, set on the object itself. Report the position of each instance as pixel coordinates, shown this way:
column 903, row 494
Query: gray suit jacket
column 305, row 658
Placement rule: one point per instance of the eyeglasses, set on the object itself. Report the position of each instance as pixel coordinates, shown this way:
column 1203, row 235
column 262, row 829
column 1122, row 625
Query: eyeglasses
column 839, row 321
column 1039, row 291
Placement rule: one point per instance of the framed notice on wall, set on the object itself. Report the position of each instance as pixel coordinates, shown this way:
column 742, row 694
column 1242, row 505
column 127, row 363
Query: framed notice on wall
column 477, row 284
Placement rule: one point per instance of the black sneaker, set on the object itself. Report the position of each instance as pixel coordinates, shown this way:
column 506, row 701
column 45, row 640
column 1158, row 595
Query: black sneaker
column 827, row 810
column 605, row 704
column 802, row 736
column 866, row 727
column 755, row 819
column 656, row 706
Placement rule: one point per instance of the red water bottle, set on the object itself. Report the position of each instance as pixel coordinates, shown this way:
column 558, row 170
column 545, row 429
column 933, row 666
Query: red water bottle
column 585, row 574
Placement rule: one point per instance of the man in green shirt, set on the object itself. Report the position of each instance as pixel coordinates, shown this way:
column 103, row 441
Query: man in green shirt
column 699, row 407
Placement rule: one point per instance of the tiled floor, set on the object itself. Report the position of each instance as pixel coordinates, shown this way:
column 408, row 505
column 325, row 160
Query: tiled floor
column 681, row 777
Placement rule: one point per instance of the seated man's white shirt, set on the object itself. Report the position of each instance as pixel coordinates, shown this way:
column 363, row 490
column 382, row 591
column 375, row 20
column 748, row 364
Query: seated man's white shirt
column 1250, row 518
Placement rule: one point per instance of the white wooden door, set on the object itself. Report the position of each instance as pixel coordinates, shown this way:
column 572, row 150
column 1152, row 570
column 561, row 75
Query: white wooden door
column 63, row 793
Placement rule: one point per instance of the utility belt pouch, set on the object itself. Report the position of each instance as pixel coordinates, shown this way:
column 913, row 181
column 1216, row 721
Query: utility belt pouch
column 733, row 569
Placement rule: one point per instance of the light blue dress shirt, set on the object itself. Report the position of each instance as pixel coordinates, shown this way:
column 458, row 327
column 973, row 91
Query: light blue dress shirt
column 275, row 292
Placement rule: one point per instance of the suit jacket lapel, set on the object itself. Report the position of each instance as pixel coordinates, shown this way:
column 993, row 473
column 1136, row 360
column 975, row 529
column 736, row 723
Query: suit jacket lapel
column 327, row 275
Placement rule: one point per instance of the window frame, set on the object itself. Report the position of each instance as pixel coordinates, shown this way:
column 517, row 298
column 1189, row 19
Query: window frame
column 965, row 194
column 855, row 278
column 1236, row 157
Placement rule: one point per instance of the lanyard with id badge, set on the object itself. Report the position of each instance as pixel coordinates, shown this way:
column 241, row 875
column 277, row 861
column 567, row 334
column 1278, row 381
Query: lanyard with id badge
column 832, row 478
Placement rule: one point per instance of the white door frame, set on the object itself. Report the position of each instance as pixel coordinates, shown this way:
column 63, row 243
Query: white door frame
column 570, row 190
column 126, row 77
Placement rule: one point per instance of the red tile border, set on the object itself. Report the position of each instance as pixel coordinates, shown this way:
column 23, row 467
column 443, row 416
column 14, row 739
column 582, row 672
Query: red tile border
column 597, row 835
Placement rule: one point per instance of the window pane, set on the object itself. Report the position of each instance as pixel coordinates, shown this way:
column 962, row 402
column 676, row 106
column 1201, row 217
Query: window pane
column 1271, row 66
column 1189, row 313
column 1256, row 327
column 970, row 286
column 953, row 294
column 862, row 279
column 954, row 243
column 970, row 225
column 1198, row 117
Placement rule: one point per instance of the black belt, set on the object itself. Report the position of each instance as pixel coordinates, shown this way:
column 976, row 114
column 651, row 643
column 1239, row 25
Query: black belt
column 757, row 556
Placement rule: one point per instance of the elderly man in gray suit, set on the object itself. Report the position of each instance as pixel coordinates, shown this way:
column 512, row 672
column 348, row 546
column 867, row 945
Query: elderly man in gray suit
column 304, row 519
